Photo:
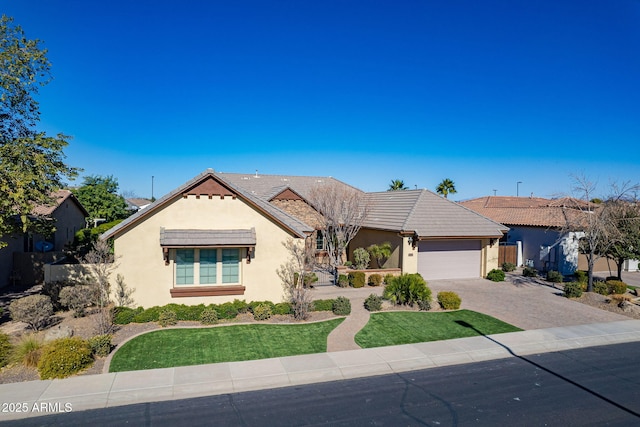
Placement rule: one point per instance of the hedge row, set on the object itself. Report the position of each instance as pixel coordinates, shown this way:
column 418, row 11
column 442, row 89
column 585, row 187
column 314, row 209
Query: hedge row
column 227, row 310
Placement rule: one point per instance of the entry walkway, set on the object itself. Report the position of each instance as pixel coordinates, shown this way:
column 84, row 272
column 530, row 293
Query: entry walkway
column 37, row 398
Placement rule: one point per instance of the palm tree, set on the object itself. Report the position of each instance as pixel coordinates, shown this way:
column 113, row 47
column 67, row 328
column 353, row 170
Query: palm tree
column 446, row 187
column 397, row 184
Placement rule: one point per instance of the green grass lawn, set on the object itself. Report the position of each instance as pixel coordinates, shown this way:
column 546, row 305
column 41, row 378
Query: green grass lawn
column 395, row 328
column 183, row 347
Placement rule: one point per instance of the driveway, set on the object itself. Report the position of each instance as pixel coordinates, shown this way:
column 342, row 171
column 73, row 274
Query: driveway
column 523, row 302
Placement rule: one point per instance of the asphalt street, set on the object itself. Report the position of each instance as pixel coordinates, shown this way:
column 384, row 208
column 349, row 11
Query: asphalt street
column 591, row 386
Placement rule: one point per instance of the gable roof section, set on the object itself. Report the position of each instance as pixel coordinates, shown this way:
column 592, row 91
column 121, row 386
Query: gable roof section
column 528, row 211
column 59, row 197
column 427, row 214
column 206, row 184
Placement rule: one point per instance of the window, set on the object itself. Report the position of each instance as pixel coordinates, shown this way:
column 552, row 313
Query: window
column 184, row 266
column 207, row 266
column 319, row 240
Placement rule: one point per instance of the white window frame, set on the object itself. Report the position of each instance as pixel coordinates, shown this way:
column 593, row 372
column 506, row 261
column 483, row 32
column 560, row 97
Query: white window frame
column 196, row 267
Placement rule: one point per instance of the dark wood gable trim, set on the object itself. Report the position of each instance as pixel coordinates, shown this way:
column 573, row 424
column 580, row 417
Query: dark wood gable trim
column 287, row 194
column 209, row 187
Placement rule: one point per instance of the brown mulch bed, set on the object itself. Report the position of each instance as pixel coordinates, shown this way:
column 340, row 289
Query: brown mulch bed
column 85, row 327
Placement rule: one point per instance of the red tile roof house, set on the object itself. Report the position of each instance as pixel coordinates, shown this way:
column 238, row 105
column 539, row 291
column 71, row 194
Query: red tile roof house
column 22, row 260
column 539, row 224
column 219, row 237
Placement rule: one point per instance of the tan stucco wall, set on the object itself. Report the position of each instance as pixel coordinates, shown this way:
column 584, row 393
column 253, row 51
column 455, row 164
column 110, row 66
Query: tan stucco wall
column 409, row 256
column 367, row 237
column 489, row 258
column 141, row 262
column 69, row 219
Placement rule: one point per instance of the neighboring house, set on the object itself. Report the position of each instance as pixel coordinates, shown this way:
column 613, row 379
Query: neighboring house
column 135, row 203
column 537, row 225
column 208, row 241
column 21, row 261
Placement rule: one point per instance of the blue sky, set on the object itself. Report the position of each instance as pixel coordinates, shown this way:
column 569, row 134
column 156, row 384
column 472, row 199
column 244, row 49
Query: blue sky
column 486, row 93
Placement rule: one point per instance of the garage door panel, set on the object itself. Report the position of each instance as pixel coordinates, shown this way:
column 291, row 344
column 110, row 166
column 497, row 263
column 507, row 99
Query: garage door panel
column 449, row 259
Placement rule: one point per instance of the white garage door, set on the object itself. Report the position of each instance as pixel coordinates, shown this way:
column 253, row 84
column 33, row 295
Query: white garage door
column 449, row 259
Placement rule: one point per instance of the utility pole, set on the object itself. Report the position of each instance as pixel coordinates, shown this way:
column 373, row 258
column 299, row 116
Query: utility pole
column 153, row 199
column 518, row 188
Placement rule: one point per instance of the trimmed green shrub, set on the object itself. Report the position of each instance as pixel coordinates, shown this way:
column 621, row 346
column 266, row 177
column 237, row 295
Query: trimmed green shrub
column 35, row 310
column 227, row 310
column 101, row 345
column 356, row 279
column 254, row 304
column 322, row 305
column 209, row 316
column 282, row 308
column 496, row 275
column 424, row 305
column 616, row 287
column 151, row 314
column 27, row 351
column 5, row 349
column 508, row 266
column 581, row 276
column 341, row 306
column 573, row 289
column 77, row 298
column 125, row 315
column 450, row 300
column 388, row 278
column 600, row 287
column 529, row 272
column 343, row 280
column 407, row 289
column 373, row 303
column 167, row 317
column 64, row 357
column 52, row 290
column 186, row 312
column 375, row 279
column 554, row 276
column 262, row 312
column 361, row 258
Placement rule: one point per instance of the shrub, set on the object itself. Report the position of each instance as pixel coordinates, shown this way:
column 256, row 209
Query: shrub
column 5, row 349
column 450, row 300
column 529, row 272
column 600, row 287
column 167, row 317
column 373, row 303
column 27, row 351
column 151, row 314
column 322, row 305
column 375, row 280
column 361, row 258
column 186, row 312
column 356, row 279
column 581, row 276
column 254, row 304
column 77, row 298
column 620, row 299
column 35, row 310
column 52, row 290
column 64, row 357
column 573, row 289
column 308, row 279
column 341, row 306
column 125, row 315
column 424, row 305
column 101, row 345
column 407, row 289
column 282, row 308
column 228, row 310
column 343, row 280
column 262, row 312
column 508, row 266
column 496, row 275
column 209, row 316
column 388, row 278
column 554, row 276
column 616, row 287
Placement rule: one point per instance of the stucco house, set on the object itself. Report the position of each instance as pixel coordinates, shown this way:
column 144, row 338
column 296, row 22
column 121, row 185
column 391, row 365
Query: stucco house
column 538, row 226
column 22, row 259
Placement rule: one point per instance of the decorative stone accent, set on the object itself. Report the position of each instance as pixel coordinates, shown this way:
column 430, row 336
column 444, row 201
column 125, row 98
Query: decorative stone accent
column 58, row 332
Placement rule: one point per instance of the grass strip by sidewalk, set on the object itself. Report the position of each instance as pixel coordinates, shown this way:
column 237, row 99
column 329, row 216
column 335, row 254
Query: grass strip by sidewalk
column 182, row 347
column 395, row 328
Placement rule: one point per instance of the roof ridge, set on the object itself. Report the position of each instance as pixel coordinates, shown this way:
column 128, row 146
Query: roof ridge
column 413, row 208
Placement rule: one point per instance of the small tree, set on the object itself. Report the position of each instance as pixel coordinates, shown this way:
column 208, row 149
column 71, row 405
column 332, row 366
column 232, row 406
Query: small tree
column 123, row 293
column 625, row 214
column 344, row 209
column 446, row 187
column 292, row 274
column 380, row 253
column 361, row 258
column 100, row 263
column 34, row 310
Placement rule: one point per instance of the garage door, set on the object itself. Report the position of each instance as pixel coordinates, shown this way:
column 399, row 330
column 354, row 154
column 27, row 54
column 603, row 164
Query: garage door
column 449, row 259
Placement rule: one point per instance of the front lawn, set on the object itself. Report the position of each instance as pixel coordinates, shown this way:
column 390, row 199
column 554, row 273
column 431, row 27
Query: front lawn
column 395, row 328
column 183, row 347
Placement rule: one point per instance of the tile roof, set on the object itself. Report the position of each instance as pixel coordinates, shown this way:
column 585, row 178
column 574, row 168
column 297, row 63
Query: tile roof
column 59, row 198
column 427, row 214
column 292, row 224
column 529, row 211
column 195, row 238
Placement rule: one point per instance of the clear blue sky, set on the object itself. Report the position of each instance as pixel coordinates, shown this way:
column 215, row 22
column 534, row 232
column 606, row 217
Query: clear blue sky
column 486, row 93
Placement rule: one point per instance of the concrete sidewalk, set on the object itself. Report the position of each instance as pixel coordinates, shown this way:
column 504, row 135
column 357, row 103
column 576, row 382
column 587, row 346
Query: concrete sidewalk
column 107, row 390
